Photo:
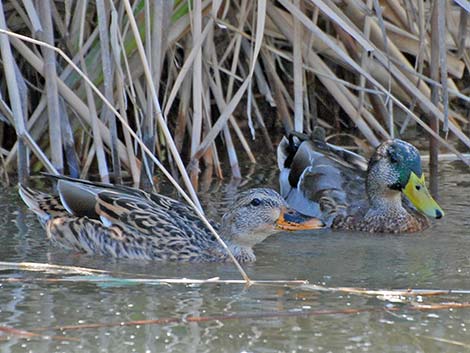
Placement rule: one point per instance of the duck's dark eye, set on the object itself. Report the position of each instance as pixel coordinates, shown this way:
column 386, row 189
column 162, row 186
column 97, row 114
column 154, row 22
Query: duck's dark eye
column 418, row 187
column 393, row 159
column 255, row 202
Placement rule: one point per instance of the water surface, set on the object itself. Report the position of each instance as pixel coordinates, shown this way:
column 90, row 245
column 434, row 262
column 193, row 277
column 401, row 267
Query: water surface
column 435, row 259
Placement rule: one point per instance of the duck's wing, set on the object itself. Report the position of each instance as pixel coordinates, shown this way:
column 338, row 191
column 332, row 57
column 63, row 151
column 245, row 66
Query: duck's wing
column 109, row 221
column 320, row 179
column 82, row 189
column 146, row 213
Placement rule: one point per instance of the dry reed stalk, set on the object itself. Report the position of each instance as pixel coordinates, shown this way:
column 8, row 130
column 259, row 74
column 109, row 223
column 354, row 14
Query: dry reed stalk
column 436, row 47
column 4, row 169
column 50, row 74
column 395, row 295
column 337, row 90
column 217, row 92
column 407, row 81
column 443, row 61
column 162, row 14
column 89, row 157
column 401, row 105
column 231, row 152
column 90, row 275
column 364, row 63
column 32, row 15
column 211, row 158
column 216, row 88
column 33, row 146
column 181, row 120
column 260, row 120
column 50, row 268
column 99, row 149
column 281, row 104
column 121, row 94
column 207, row 158
column 102, row 279
column 147, row 129
column 10, row 331
column 186, row 67
column 69, row 142
column 6, row 113
column 311, row 105
column 69, row 96
column 162, row 11
column 225, row 115
column 417, row 47
column 245, row 8
column 42, row 104
column 106, row 61
column 242, row 139
column 34, row 118
column 197, row 90
column 331, row 11
column 98, row 143
column 426, row 105
column 446, row 340
column 298, row 72
column 96, row 275
column 161, row 122
column 124, row 76
column 263, row 85
column 420, row 54
column 462, row 36
column 15, row 99
column 253, row 106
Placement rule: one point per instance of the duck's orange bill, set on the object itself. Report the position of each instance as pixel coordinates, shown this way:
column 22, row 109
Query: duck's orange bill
column 292, row 220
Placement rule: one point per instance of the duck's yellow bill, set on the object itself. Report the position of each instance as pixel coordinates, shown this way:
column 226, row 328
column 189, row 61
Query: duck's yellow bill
column 292, row 220
column 418, row 194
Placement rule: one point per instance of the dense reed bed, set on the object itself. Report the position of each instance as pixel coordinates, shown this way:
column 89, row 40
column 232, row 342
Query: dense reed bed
column 114, row 88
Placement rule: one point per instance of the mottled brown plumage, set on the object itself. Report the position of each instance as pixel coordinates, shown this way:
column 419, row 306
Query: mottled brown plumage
column 347, row 192
column 120, row 221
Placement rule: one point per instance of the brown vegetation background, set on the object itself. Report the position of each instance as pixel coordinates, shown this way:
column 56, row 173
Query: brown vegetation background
column 114, row 88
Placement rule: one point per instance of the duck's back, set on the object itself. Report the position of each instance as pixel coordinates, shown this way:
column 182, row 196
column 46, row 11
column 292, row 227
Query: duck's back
column 322, row 180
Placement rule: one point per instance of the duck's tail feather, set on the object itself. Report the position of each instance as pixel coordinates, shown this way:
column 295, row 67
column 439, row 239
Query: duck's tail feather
column 43, row 205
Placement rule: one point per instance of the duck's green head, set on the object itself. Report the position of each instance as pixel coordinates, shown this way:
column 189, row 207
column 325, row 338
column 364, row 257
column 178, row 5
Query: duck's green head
column 396, row 166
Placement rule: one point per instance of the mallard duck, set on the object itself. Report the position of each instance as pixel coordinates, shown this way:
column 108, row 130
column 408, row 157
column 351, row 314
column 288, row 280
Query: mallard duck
column 348, row 192
column 124, row 222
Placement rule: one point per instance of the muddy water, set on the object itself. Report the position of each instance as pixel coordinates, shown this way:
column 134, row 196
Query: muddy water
column 435, row 259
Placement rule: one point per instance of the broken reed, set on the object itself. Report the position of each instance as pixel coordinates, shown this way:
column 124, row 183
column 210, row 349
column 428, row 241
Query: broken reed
column 205, row 72
column 397, row 300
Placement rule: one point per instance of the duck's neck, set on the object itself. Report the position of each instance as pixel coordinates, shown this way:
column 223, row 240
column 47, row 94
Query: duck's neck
column 381, row 197
column 241, row 253
column 241, row 243
column 386, row 202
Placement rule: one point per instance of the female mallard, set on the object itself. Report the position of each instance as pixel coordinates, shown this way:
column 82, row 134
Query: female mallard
column 341, row 188
column 120, row 221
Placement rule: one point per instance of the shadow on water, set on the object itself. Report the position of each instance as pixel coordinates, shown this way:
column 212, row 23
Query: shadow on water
column 435, row 259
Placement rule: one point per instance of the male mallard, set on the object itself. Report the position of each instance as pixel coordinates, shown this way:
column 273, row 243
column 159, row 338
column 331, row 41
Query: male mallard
column 338, row 186
column 120, row 221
